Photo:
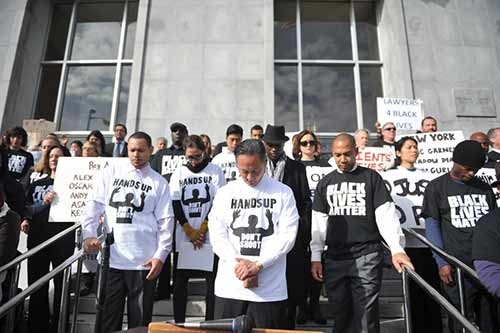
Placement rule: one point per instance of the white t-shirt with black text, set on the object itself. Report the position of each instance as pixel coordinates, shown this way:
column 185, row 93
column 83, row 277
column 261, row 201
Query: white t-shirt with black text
column 227, row 162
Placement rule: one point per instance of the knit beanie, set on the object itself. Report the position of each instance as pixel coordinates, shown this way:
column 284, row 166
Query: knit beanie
column 469, row 153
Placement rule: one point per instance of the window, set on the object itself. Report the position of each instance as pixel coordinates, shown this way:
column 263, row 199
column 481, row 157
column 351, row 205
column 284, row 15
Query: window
column 327, row 69
column 85, row 72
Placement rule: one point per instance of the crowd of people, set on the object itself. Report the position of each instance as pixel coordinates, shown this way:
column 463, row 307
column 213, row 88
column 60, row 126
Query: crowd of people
column 264, row 228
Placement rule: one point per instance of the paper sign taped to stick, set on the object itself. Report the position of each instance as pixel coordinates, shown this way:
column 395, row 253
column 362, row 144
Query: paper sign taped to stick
column 405, row 113
column 74, row 184
column 488, row 176
column 376, row 158
column 436, row 150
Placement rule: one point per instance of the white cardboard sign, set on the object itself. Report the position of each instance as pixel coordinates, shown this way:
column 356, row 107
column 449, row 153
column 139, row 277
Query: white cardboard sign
column 405, row 113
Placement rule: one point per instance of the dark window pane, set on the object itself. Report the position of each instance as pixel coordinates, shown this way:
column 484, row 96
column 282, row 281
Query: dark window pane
column 285, row 30
column 121, row 116
column 131, row 26
column 285, row 97
column 371, row 88
column 329, row 101
column 58, row 34
column 87, row 101
column 97, row 31
column 47, row 92
column 326, row 32
column 366, row 29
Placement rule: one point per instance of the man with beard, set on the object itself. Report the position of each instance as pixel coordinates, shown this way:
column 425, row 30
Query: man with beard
column 293, row 174
column 165, row 162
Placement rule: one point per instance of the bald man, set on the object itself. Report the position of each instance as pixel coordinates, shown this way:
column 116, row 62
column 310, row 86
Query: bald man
column 482, row 138
column 352, row 213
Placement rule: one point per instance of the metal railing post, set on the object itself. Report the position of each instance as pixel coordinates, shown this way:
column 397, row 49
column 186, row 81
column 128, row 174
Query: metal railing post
column 103, row 277
column 76, row 305
column 406, row 305
column 64, row 306
column 14, row 280
column 461, row 297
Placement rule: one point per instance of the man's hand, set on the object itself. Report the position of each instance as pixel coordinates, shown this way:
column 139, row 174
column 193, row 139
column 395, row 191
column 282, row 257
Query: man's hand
column 446, row 274
column 25, row 226
column 401, row 259
column 317, row 271
column 49, row 197
column 245, row 268
column 251, row 282
column 156, row 266
column 91, row 245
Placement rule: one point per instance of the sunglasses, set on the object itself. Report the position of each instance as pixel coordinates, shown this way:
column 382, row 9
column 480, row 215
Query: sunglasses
column 275, row 145
column 306, row 143
column 195, row 158
column 390, row 129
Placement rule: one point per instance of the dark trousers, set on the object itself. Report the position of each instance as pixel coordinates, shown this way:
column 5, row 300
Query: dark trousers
column 312, row 291
column 164, row 289
column 481, row 307
column 39, row 265
column 130, row 284
column 425, row 312
column 181, row 290
column 353, row 287
column 296, row 263
column 9, row 236
column 263, row 314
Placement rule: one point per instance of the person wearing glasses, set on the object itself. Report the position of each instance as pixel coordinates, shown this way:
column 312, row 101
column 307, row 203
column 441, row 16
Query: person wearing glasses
column 193, row 188
column 225, row 159
column 293, row 174
column 305, row 149
column 387, row 136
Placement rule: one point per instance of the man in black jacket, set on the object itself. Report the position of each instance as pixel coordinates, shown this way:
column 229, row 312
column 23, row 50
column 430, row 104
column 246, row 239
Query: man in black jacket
column 293, row 174
column 119, row 147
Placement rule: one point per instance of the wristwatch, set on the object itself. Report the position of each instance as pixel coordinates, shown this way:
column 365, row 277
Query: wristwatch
column 259, row 266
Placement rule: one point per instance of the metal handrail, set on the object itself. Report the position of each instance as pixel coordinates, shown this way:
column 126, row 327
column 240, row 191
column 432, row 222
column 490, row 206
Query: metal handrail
column 433, row 293
column 39, row 283
column 39, row 247
column 446, row 256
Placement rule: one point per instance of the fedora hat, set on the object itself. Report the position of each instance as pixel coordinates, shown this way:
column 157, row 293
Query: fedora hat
column 275, row 134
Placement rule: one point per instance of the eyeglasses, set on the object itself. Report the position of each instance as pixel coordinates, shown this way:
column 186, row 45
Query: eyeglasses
column 275, row 145
column 390, row 129
column 306, row 143
column 195, row 158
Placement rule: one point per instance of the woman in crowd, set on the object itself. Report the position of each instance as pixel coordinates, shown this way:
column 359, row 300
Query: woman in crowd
column 387, row 136
column 193, row 188
column 305, row 150
column 407, row 185
column 75, row 148
column 97, row 138
column 208, row 144
column 19, row 161
column 38, row 171
column 40, row 196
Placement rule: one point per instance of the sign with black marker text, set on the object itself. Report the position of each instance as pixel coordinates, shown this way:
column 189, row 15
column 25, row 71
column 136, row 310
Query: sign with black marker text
column 406, row 114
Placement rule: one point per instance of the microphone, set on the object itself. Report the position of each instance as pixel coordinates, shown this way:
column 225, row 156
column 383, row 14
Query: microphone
column 240, row 324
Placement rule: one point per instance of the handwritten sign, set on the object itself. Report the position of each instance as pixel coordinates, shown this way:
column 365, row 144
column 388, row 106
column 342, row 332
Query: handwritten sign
column 436, row 150
column 74, row 184
column 315, row 174
column 376, row 158
column 405, row 113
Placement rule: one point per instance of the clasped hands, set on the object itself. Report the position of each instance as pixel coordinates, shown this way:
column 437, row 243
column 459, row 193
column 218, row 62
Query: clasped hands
column 247, row 271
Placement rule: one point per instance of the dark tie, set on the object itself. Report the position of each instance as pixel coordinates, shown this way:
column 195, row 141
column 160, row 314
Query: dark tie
column 117, row 151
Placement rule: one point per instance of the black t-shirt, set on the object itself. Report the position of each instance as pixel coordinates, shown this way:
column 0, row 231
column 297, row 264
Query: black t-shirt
column 18, row 163
column 165, row 161
column 486, row 240
column 350, row 200
column 458, row 206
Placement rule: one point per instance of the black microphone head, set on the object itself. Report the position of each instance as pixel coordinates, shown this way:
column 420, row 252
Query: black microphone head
column 243, row 324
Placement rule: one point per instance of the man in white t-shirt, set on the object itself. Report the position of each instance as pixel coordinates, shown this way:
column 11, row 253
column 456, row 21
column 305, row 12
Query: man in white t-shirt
column 136, row 203
column 253, row 224
column 225, row 159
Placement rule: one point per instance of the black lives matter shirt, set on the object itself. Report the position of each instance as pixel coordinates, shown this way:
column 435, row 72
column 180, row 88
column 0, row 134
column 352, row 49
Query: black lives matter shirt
column 19, row 162
column 167, row 160
column 349, row 200
column 458, row 206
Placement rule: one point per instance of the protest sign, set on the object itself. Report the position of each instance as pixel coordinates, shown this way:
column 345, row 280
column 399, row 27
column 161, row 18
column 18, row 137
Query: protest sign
column 38, row 129
column 315, row 174
column 436, row 150
column 488, row 176
column 405, row 113
column 376, row 158
column 74, row 184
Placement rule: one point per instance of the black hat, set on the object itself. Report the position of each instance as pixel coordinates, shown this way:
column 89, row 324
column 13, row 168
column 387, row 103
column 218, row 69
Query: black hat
column 275, row 134
column 176, row 126
column 497, row 172
column 469, row 153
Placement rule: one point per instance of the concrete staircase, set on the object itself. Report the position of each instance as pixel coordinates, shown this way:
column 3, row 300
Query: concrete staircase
column 391, row 310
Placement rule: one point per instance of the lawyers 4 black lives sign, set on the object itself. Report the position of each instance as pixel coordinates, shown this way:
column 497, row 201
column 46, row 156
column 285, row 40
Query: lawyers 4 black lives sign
column 74, row 185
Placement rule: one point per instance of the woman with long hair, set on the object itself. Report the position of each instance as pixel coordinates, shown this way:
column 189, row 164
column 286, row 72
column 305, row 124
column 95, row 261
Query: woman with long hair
column 407, row 185
column 41, row 170
column 306, row 150
column 97, row 138
column 40, row 197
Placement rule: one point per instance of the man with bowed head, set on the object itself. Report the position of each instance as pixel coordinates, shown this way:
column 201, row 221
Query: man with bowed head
column 352, row 212
column 138, row 209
